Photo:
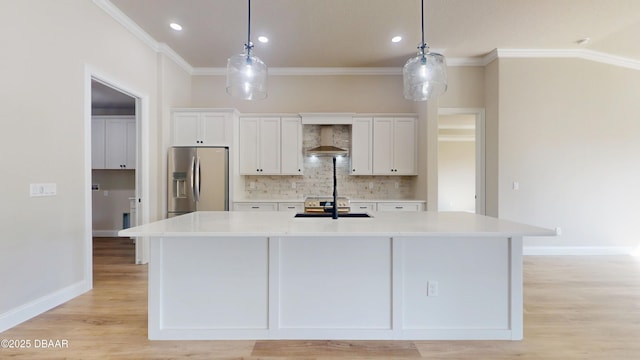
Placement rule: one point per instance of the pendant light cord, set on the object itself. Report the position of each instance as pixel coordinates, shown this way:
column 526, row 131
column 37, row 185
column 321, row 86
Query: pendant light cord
column 249, row 23
column 422, row 13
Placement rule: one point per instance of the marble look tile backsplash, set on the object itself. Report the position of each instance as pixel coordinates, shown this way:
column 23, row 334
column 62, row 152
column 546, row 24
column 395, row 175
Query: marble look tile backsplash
column 318, row 172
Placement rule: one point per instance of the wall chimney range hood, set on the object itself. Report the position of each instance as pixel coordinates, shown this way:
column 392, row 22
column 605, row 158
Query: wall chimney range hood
column 327, row 147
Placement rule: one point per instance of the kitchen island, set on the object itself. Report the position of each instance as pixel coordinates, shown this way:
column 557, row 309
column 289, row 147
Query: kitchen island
column 268, row 275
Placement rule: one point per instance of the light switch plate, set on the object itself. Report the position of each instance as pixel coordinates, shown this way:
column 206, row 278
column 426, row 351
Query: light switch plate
column 36, row 190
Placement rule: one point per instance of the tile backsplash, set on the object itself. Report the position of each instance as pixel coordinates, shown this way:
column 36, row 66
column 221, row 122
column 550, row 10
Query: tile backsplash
column 318, row 176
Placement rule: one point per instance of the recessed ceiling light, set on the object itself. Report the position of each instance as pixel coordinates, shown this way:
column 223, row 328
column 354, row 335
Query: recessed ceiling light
column 176, row 26
column 263, row 39
column 396, row 39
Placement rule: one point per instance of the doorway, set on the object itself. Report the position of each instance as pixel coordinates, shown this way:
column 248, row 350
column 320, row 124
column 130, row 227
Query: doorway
column 113, row 164
column 136, row 207
column 461, row 160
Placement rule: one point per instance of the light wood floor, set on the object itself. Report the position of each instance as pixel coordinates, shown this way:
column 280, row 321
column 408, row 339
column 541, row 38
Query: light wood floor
column 575, row 308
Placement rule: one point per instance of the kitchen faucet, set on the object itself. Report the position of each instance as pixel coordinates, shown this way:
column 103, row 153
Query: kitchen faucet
column 334, row 211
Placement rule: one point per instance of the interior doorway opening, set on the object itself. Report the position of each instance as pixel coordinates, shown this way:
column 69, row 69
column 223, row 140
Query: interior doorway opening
column 461, row 160
column 114, row 124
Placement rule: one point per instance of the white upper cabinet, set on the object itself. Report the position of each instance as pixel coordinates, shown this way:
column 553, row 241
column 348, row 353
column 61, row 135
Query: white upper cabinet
column 120, row 143
column 97, row 143
column 395, row 146
column 259, row 146
column 113, row 142
column 201, row 128
column 361, row 146
column 291, row 146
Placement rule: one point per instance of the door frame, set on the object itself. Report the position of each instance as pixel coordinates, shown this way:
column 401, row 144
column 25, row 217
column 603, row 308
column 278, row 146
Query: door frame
column 479, row 114
column 142, row 161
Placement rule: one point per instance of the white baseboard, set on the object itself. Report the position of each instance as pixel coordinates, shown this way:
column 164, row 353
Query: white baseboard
column 38, row 306
column 105, row 233
column 577, row 250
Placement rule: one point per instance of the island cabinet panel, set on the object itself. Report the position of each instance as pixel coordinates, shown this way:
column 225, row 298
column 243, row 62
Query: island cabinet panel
column 213, row 283
column 339, row 283
column 468, row 294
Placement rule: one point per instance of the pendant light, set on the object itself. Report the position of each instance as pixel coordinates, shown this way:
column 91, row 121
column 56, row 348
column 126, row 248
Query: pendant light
column 246, row 73
column 425, row 75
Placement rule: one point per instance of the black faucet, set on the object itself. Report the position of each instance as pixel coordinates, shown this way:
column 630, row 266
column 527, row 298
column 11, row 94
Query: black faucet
column 334, row 211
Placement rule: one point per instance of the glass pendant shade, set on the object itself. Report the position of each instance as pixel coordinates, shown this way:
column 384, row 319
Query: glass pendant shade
column 424, row 76
column 246, row 76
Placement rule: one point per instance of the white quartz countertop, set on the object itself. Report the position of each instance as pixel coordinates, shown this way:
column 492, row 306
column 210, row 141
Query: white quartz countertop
column 274, row 223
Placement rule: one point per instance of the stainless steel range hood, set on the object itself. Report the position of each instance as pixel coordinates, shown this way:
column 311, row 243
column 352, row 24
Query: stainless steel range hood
column 327, row 147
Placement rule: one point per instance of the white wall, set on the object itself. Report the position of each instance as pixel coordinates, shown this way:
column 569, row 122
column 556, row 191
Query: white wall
column 46, row 46
column 569, row 133
column 111, row 200
column 456, row 176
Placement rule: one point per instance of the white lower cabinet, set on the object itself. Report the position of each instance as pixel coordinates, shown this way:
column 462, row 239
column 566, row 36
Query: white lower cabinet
column 257, row 206
column 358, row 207
column 291, row 206
column 400, row 206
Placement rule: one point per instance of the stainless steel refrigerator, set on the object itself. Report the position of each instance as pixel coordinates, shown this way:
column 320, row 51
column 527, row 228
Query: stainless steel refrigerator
column 198, row 180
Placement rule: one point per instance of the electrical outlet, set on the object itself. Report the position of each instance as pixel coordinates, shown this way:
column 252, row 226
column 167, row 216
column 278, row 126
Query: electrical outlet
column 371, row 185
column 293, row 185
column 397, row 185
column 252, row 185
column 432, row 288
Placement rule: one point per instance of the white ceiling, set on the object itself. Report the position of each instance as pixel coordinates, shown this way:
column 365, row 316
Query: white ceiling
column 357, row 33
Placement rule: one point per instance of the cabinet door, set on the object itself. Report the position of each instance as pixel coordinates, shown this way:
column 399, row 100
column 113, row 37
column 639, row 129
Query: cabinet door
column 291, row 206
column 212, row 129
column 361, row 146
column 97, row 143
column 405, row 146
column 359, row 207
column 130, row 157
column 262, row 206
column 116, row 143
column 383, row 146
column 249, row 129
column 185, row 129
column 400, row 206
column 269, row 146
column 291, row 151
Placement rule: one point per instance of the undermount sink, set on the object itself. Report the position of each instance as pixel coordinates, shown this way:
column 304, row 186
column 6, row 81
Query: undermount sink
column 328, row 215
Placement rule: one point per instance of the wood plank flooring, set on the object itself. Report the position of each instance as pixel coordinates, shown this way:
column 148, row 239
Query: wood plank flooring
column 575, row 308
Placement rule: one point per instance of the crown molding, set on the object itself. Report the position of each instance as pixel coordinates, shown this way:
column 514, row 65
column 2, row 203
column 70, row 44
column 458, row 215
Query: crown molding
column 570, row 53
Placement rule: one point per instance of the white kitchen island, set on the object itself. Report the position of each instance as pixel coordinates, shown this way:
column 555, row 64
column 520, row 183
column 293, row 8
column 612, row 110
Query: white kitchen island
column 268, row 275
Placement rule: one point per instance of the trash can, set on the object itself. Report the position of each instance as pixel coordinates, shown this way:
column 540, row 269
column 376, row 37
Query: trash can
column 126, row 223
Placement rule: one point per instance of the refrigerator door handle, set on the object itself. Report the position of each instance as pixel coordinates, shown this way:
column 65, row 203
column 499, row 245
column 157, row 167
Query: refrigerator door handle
column 197, row 182
column 193, row 174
